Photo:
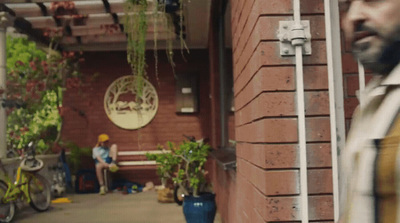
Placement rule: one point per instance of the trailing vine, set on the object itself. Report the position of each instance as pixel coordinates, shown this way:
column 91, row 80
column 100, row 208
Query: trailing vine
column 169, row 50
column 136, row 29
column 156, row 16
column 181, row 34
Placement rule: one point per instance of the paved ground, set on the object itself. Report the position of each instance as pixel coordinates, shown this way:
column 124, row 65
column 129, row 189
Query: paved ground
column 113, row 207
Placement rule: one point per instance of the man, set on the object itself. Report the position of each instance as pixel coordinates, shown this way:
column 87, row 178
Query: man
column 104, row 157
column 371, row 159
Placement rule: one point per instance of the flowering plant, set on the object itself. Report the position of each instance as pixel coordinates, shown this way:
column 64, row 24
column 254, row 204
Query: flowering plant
column 35, row 84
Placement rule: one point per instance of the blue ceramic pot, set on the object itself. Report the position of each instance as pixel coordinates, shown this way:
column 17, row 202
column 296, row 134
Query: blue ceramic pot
column 199, row 209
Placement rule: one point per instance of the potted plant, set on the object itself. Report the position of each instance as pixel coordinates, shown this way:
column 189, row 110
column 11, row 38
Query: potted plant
column 167, row 163
column 187, row 162
column 198, row 204
column 79, row 157
column 81, row 165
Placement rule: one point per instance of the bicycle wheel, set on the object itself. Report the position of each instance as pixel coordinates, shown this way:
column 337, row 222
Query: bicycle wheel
column 178, row 195
column 39, row 193
column 7, row 210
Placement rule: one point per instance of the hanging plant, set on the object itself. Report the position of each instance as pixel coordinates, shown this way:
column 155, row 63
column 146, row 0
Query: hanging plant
column 136, row 29
column 135, row 26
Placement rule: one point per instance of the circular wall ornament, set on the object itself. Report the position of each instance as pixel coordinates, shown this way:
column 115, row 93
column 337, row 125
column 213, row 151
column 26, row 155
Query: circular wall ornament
column 126, row 110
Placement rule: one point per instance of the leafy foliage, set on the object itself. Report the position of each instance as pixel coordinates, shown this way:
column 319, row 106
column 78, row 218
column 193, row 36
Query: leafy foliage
column 77, row 155
column 34, row 124
column 166, row 162
column 186, row 163
column 136, row 29
column 35, row 84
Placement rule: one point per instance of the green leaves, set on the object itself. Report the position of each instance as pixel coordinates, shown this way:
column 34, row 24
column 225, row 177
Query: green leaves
column 135, row 26
column 25, row 125
column 21, row 49
column 77, row 155
column 166, row 162
column 36, row 79
column 185, row 162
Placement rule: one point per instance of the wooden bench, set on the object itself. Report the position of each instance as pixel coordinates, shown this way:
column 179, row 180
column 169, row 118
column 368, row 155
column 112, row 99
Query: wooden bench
column 134, row 166
column 128, row 160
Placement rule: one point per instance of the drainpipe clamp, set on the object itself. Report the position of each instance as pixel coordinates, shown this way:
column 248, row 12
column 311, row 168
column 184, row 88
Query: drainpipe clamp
column 291, row 35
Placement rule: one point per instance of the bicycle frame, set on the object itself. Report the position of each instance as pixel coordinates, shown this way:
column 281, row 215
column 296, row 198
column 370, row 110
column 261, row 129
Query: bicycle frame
column 19, row 188
column 29, row 186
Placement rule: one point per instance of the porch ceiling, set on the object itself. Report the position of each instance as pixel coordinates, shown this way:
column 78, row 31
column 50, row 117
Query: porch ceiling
column 97, row 25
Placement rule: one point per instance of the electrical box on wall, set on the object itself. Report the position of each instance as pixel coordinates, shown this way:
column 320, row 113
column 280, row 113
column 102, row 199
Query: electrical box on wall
column 186, row 93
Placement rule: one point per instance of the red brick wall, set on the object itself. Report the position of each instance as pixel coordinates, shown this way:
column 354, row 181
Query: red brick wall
column 224, row 182
column 267, row 179
column 351, row 85
column 350, row 77
column 85, row 117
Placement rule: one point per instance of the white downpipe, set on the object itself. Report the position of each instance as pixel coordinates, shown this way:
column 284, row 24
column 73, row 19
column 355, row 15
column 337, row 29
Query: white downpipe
column 335, row 93
column 302, row 135
column 361, row 82
column 301, row 119
column 3, row 117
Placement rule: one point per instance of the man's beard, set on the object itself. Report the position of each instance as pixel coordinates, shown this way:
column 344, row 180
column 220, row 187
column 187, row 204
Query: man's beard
column 379, row 58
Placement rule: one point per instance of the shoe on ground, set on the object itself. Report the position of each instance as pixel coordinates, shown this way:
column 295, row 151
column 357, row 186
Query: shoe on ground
column 113, row 168
column 102, row 190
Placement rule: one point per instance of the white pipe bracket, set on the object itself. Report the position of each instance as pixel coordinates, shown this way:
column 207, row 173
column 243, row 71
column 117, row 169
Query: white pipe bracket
column 291, row 35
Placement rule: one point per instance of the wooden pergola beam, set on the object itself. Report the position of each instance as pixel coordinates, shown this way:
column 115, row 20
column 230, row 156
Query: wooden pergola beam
column 91, row 20
column 108, row 30
column 24, row 26
column 99, row 20
column 82, row 7
column 150, row 2
column 120, row 37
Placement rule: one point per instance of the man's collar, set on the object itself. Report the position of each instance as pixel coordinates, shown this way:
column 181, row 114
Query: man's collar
column 393, row 78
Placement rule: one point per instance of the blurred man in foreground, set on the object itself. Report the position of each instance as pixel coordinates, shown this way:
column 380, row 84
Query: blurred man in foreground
column 371, row 160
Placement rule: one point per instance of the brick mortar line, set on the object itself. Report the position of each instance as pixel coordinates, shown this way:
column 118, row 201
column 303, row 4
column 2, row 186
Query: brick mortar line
column 279, row 91
column 280, row 117
column 273, row 65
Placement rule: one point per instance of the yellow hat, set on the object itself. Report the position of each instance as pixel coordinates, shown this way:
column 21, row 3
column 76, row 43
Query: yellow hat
column 103, row 138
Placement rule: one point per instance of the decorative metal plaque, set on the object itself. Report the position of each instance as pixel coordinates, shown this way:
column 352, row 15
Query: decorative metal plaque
column 125, row 108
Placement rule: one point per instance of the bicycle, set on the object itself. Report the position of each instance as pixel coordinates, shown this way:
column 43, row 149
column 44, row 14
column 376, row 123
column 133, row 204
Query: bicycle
column 29, row 186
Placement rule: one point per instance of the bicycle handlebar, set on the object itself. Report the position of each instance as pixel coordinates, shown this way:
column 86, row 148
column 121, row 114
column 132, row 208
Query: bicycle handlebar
column 30, row 150
column 190, row 138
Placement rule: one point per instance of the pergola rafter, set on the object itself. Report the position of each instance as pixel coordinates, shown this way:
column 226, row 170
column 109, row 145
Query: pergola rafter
column 88, row 22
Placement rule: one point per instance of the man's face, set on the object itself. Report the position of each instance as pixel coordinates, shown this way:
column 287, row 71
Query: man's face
column 373, row 27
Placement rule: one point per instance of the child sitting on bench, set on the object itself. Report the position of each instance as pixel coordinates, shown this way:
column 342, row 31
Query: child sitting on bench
column 104, row 157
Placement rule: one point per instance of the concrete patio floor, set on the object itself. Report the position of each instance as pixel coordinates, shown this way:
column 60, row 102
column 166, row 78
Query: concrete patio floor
column 113, row 207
